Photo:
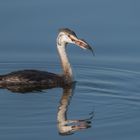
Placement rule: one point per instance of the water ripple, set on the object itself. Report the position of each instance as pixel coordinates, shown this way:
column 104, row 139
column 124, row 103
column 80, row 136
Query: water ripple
column 110, row 82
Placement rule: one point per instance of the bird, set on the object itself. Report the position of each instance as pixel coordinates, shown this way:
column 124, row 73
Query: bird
column 38, row 77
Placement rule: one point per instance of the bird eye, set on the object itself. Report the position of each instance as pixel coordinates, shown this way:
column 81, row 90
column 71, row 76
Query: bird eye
column 71, row 38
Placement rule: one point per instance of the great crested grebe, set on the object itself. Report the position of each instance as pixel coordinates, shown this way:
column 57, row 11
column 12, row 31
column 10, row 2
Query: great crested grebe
column 36, row 77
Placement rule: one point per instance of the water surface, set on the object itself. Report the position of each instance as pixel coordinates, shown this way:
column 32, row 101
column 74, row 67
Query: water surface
column 107, row 87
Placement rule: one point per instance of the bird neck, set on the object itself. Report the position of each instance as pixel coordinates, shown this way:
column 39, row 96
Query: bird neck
column 67, row 70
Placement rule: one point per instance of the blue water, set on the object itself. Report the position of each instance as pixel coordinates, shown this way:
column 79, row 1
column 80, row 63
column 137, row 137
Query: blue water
column 107, row 92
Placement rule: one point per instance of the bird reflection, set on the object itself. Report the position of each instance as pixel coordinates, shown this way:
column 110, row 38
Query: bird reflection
column 65, row 126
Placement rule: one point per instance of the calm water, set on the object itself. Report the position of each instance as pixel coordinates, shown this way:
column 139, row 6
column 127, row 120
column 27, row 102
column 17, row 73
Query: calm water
column 106, row 96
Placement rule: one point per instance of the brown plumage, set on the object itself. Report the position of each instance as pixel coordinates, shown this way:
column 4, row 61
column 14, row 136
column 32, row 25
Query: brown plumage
column 31, row 77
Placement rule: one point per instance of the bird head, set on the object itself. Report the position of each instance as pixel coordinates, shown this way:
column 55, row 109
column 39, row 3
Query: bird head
column 66, row 36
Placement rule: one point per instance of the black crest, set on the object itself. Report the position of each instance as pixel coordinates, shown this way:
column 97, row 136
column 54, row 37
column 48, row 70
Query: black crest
column 67, row 30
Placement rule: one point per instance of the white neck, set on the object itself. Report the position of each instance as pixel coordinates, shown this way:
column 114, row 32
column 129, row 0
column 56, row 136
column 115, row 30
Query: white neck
column 65, row 62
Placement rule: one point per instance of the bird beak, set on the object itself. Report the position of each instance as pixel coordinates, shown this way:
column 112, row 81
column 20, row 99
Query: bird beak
column 81, row 43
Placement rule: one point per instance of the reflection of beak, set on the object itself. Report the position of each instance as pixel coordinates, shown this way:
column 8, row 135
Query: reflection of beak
column 81, row 43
